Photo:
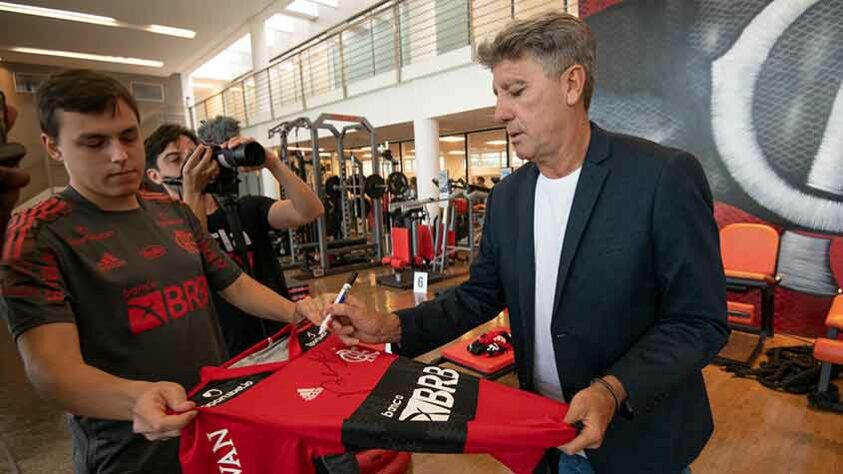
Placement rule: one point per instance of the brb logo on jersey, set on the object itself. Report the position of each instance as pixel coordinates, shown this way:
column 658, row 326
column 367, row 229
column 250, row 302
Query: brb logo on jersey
column 152, row 309
column 432, row 399
column 357, row 356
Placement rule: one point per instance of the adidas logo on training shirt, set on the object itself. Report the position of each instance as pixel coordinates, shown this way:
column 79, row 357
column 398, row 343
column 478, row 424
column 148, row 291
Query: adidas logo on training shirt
column 109, row 262
column 309, row 394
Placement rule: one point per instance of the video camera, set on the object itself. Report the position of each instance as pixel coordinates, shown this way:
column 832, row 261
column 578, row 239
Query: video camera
column 246, row 155
column 10, row 153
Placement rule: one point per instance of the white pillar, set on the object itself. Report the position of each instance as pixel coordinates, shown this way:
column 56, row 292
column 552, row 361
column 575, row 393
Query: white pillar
column 260, row 60
column 187, row 98
column 260, row 47
column 426, row 132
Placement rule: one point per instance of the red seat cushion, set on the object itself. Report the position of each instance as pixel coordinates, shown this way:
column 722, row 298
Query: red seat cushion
column 425, row 242
column 828, row 350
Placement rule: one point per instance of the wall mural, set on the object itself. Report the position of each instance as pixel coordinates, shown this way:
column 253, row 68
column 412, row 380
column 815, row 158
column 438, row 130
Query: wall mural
column 754, row 89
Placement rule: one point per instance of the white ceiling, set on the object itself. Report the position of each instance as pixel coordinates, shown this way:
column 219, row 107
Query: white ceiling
column 213, row 21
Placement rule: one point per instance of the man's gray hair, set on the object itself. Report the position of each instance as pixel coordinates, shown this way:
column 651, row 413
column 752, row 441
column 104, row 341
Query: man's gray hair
column 555, row 40
column 218, row 130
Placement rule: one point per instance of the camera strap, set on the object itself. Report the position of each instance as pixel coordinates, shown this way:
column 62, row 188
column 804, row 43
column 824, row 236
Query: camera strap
column 232, row 216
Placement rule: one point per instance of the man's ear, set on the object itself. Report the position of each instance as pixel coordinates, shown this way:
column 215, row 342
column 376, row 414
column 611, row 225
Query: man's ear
column 52, row 146
column 154, row 175
column 573, row 84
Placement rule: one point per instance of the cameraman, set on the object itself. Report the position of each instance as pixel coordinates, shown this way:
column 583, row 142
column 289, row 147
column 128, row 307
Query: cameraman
column 174, row 152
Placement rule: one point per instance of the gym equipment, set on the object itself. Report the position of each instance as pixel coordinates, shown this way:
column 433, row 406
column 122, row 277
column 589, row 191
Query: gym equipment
column 412, row 249
column 353, row 243
column 408, row 241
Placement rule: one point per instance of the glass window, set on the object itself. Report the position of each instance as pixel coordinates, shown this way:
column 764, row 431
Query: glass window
column 394, row 148
column 408, row 149
column 452, row 155
column 486, row 156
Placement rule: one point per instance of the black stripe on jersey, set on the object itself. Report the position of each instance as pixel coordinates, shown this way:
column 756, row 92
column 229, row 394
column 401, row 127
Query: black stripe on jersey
column 415, row 407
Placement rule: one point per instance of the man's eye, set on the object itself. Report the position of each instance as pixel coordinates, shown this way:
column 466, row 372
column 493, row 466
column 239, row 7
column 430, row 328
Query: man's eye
column 129, row 137
column 516, row 92
column 95, row 144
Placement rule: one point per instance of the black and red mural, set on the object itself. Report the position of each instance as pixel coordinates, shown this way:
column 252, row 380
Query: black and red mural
column 754, row 89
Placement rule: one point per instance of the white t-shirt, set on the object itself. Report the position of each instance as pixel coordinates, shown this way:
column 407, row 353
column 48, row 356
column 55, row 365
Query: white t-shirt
column 553, row 201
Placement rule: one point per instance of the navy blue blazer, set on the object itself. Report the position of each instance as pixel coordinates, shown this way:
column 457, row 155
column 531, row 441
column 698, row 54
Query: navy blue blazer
column 640, row 295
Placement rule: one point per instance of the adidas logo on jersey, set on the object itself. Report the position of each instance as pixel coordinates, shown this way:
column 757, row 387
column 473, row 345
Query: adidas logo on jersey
column 309, row 394
column 109, row 262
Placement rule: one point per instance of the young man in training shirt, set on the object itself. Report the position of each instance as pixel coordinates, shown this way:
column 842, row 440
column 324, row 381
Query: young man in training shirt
column 107, row 288
column 173, row 151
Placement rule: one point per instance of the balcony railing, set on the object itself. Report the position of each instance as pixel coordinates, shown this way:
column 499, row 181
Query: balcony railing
column 392, row 42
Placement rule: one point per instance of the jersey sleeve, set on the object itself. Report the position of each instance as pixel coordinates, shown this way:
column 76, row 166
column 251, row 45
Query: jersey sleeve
column 33, row 287
column 220, row 269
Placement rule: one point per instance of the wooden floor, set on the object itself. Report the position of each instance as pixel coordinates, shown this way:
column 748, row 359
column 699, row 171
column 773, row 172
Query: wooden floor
column 756, row 429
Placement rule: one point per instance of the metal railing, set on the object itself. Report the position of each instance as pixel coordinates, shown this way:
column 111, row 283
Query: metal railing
column 374, row 49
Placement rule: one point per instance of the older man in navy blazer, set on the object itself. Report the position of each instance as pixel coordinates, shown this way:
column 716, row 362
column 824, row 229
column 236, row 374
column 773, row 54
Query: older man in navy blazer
column 605, row 250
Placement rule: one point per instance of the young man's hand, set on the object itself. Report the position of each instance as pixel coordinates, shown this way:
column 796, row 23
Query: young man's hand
column 199, row 169
column 161, row 411
column 312, row 308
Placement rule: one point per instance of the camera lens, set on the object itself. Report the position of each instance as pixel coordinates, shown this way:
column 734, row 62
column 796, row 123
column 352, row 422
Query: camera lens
column 249, row 154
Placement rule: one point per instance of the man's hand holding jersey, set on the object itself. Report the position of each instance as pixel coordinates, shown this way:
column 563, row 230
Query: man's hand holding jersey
column 161, row 410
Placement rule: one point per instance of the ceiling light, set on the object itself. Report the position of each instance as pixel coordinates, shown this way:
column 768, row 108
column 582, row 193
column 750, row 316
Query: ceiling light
column 92, row 19
column 456, row 152
column 170, row 31
column 325, row 155
column 90, row 57
column 367, row 155
column 57, row 14
column 452, row 139
column 496, row 142
column 302, row 148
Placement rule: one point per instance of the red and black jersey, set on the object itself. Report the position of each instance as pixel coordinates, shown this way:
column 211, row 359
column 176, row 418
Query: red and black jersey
column 278, row 417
